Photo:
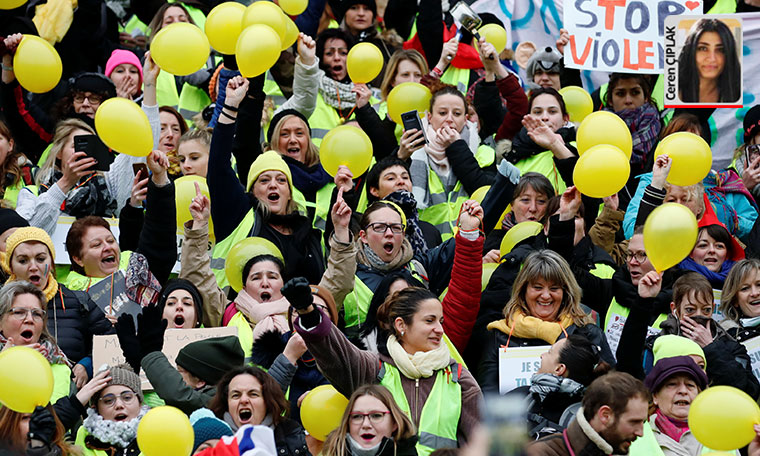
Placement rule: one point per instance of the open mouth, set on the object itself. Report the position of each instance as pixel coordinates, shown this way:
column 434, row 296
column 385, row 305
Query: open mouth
column 294, row 150
column 245, row 415
column 682, row 403
column 545, row 304
column 179, row 321
column 265, row 296
column 120, row 417
column 388, row 247
column 273, row 197
column 109, row 261
column 337, row 69
column 168, row 145
column 35, row 279
column 755, row 302
column 27, row 335
column 367, row 436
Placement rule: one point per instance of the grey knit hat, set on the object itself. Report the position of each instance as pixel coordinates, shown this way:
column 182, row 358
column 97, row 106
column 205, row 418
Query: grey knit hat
column 122, row 375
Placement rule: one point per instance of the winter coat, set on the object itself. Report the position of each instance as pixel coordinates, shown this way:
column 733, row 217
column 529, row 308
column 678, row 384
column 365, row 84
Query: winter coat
column 551, row 402
column 583, row 441
column 168, row 384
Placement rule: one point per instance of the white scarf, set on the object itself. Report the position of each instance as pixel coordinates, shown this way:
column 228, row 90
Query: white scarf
column 420, row 364
column 119, row 433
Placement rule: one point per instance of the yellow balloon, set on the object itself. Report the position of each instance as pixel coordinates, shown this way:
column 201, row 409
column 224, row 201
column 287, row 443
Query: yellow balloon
column 37, row 65
column 408, row 96
column 494, row 34
column 346, row 145
column 488, row 269
column 517, row 234
column 165, row 431
column 223, row 26
column 266, row 13
column 243, row 251
column 364, row 62
column 26, row 379
column 291, row 33
column 691, row 156
column 721, row 418
column 480, row 193
column 258, row 48
column 322, row 410
column 184, row 192
column 10, row 4
column 578, row 102
column 294, row 7
column 124, row 127
column 180, row 48
column 670, row 233
column 601, row 171
column 603, row 127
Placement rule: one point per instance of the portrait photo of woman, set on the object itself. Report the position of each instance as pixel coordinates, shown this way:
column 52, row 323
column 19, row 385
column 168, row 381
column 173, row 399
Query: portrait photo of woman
column 709, row 69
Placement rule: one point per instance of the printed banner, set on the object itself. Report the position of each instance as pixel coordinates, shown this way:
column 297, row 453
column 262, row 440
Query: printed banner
column 753, row 350
column 517, row 365
column 620, row 35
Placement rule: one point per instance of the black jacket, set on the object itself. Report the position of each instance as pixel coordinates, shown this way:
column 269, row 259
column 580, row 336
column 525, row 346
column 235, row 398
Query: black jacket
column 73, row 318
column 290, row 439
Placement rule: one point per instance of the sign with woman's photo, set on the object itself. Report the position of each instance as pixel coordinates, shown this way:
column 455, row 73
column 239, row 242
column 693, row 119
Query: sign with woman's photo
column 703, row 61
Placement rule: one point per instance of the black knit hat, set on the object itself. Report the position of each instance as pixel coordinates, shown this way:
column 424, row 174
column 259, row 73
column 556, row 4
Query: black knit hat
column 751, row 123
column 10, row 219
column 182, row 284
column 210, row 359
column 346, row 4
column 277, row 117
column 95, row 83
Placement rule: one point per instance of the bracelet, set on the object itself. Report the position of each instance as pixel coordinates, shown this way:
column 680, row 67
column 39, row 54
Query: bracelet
column 7, row 68
column 225, row 106
column 228, row 116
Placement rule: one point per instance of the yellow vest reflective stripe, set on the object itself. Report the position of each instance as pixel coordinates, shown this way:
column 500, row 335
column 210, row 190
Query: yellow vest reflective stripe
column 189, row 102
column 440, row 413
column 134, row 23
column 245, row 334
column 615, row 320
column 222, row 248
column 79, row 282
column 647, row 445
column 321, row 206
column 61, row 381
column 81, row 434
column 356, row 304
column 543, row 163
column 271, row 89
column 458, row 77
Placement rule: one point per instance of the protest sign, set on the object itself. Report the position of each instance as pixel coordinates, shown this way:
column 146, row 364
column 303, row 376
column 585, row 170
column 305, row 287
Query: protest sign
column 517, row 365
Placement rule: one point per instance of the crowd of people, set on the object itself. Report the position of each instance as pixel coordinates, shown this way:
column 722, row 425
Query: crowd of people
column 402, row 288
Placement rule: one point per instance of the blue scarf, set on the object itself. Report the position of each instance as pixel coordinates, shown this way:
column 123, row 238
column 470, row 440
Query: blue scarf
column 307, row 179
column 716, row 278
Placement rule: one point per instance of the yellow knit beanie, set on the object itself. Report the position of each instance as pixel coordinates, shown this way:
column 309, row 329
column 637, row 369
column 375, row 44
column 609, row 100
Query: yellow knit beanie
column 268, row 161
column 26, row 234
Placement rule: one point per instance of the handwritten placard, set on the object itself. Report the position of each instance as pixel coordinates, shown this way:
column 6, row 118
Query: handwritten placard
column 107, row 350
column 517, row 365
column 620, row 35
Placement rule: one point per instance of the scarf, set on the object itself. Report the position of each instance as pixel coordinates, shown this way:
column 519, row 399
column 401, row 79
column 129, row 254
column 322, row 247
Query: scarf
column 47, row 348
column 420, row 364
column 263, row 316
column 408, row 204
column 307, row 179
column 750, row 322
column 365, row 255
column 671, row 427
column 54, row 18
column 358, row 450
column 118, row 433
column 716, row 278
column 592, row 435
column 728, row 181
column 523, row 147
column 526, row 327
column 141, row 285
column 90, row 197
column 337, row 94
column 544, row 384
column 509, row 221
column 645, row 125
column 50, row 289
column 436, row 152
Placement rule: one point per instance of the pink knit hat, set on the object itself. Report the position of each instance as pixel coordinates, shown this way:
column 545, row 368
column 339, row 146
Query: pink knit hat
column 120, row 56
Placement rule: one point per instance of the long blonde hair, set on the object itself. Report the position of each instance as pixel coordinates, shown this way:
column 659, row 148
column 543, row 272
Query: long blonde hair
column 335, row 443
column 549, row 266
column 311, row 155
column 392, row 69
column 63, row 130
column 729, row 301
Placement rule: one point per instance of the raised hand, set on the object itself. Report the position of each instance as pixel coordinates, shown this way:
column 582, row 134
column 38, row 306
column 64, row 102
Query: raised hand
column 158, row 163
column 98, row 382
column 650, row 284
column 569, row 203
column 139, row 191
column 363, row 94
column 200, row 208
column 411, row 140
column 341, row 218
column 307, row 49
column 344, row 178
column 298, row 293
column 447, row 135
column 471, row 216
column 660, row 171
column 76, row 167
column 237, row 87
column 539, row 132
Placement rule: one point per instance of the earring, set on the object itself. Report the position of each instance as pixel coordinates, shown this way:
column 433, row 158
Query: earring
column 402, row 333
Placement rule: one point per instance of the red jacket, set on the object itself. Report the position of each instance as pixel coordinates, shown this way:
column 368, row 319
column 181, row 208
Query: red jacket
column 462, row 301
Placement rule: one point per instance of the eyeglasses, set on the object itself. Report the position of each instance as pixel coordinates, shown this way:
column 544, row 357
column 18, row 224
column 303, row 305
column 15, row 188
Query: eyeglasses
column 374, row 417
column 640, row 256
column 94, row 98
column 380, row 227
column 110, row 399
column 20, row 313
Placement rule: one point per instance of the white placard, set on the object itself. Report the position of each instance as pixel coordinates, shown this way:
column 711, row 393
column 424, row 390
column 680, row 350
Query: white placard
column 517, row 365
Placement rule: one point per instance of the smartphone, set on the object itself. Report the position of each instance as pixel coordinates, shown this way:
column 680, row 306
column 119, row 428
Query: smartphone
column 140, row 168
column 94, row 147
column 411, row 120
column 751, row 152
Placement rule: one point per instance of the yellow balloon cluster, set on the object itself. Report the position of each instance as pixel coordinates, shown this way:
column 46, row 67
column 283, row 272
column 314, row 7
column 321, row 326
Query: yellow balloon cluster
column 294, row 7
column 37, row 65
column 180, row 48
column 348, row 146
column 602, row 127
column 517, row 234
column 577, row 102
column 26, row 379
column 494, row 34
column 10, row 4
column 408, row 96
column 722, row 417
column 165, row 431
column 243, row 251
column 265, row 13
column 223, row 26
column 291, row 33
column 364, row 62
column 670, row 233
column 601, row 171
column 258, row 48
column 322, row 410
column 124, row 127
column 691, row 156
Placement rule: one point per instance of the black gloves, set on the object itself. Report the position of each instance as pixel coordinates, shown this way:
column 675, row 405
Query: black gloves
column 298, row 293
column 151, row 330
column 42, row 425
column 130, row 343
